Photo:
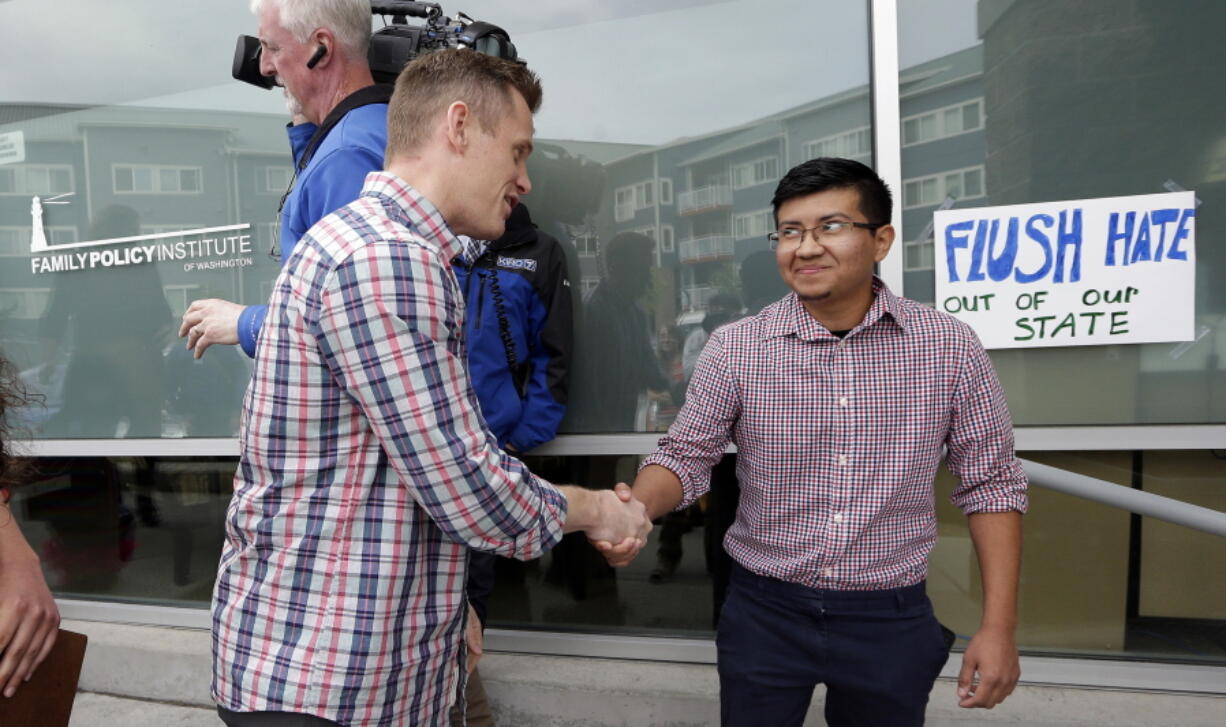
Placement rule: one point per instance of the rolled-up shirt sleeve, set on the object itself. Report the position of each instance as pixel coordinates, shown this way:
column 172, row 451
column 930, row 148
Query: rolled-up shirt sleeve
column 385, row 320
column 980, row 441
column 701, row 432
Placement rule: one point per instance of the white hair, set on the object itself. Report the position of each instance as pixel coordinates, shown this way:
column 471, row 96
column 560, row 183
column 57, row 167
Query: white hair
column 349, row 20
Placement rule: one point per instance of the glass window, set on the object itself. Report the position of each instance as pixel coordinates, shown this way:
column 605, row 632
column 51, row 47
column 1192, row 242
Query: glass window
column 148, row 530
column 1054, row 91
column 31, row 179
column 142, row 179
column 274, row 179
column 970, row 116
column 614, row 155
column 124, row 180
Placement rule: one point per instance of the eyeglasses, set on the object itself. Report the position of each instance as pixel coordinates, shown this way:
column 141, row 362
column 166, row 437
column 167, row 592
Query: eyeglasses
column 829, row 231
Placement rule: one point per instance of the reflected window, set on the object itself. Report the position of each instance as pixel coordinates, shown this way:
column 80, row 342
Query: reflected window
column 26, row 304
column 959, row 184
column 15, row 241
column 588, row 244
column 156, row 179
column 759, row 171
column 855, row 144
column 752, row 225
column 943, row 123
column 41, row 179
column 630, row 199
column 178, row 297
column 666, row 239
column 274, row 180
column 919, row 255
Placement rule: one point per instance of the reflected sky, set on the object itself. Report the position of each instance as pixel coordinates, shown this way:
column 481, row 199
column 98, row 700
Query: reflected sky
column 633, row 71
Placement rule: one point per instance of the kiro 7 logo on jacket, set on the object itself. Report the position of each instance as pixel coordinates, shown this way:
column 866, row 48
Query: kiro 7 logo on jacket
column 517, row 263
column 204, row 248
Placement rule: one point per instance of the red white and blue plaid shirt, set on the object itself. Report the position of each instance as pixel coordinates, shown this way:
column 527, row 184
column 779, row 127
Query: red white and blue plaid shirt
column 838, row 440
column 366, row 473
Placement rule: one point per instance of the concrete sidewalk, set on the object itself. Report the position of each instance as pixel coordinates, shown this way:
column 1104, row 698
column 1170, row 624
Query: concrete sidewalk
column 138, row 676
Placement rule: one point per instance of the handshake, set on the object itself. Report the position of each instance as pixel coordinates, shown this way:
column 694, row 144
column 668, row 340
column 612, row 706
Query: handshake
column 615, row 522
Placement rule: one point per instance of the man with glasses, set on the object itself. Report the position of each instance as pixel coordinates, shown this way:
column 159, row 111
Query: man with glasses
column 841, row 399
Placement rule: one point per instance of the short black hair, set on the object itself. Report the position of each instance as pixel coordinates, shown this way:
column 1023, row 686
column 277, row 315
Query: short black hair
column 626, row 248
column 823, row 173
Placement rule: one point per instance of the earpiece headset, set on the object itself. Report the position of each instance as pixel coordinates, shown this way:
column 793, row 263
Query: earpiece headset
column 317, row 56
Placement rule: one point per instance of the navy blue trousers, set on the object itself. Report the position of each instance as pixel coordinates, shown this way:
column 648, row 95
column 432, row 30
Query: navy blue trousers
column 877, row 652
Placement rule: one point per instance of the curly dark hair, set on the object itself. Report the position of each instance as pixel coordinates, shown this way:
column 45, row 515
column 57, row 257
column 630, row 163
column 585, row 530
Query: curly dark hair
column 13, row 395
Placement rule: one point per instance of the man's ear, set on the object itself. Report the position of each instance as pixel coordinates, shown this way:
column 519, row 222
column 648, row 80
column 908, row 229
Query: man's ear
column 324, row 41
column 883, row 239
column 458, row 121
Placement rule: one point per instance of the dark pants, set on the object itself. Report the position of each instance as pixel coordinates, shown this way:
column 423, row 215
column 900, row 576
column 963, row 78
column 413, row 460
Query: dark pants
column 272, row 719
column 877, row 652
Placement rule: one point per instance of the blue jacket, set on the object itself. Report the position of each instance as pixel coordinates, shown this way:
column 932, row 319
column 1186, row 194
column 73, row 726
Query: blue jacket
column 517, row 296
column 332, row 179
column 517, row 300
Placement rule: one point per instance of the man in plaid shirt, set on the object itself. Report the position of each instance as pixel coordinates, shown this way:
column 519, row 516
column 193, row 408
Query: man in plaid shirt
column 366, row 470
column 841, row 399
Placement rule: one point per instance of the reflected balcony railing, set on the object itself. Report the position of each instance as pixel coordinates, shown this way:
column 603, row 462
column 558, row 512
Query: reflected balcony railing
column 697, row 297
column 706, row 248
column 624, row 211
column 716, row 196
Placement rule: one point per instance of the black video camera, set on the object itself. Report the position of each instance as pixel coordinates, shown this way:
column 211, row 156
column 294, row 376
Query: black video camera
column 397, row 43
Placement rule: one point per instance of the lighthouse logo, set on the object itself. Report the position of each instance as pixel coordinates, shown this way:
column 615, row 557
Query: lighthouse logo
column 204, row 248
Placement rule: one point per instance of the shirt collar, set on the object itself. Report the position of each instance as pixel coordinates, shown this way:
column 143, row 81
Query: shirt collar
column 407, row 206
column 789, row 317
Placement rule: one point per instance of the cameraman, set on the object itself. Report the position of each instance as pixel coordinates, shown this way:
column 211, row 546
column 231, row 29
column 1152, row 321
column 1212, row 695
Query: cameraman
column 317, row 50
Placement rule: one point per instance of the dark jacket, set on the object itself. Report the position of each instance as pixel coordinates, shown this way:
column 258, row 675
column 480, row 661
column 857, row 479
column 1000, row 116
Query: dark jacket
column 519, row 332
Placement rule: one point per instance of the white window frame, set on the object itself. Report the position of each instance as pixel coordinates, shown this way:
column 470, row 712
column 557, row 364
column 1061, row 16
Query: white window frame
column 161, row 229
column 926, row 252
column 755, row 172
column 666, row 191
column 265, row 183
column 839, row 145
column 937, row 116
column 20, row 238
column 155, row 175
column 33, row 305
column 21, row 186
column 587, row 244
column 940, row 184
column 754, row 225
column 179, row 296
column 630, row 198
column 668, row 241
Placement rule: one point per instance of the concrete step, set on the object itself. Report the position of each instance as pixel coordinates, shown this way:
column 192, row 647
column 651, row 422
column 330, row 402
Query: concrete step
column 103, row 710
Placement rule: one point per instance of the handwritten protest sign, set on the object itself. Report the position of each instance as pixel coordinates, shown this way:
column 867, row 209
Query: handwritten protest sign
column 1074, row 273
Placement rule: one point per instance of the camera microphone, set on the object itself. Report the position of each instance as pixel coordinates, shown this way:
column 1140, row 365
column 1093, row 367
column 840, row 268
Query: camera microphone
column 317, row 56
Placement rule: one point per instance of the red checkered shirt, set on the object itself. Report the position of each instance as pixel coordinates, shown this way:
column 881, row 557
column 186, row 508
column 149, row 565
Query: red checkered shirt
column 838, row 440
column 366, row 473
